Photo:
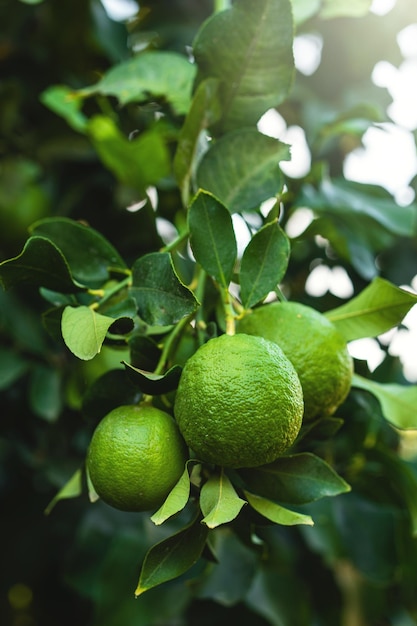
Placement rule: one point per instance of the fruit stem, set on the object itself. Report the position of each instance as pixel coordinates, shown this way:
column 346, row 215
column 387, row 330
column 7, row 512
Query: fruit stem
column 229, row 313
column 176, row 242
column 168, row 343
column 108, row 293
column 280, row 295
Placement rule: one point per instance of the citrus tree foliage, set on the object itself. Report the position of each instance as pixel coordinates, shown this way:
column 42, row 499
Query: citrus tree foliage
column 130, row 160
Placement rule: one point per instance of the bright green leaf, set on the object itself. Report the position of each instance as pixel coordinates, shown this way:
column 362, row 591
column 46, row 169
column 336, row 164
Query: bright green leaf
column 264, row 263
column 296, row 479
column 212, row 237
column 71, row 489
column 161, row 297
column 65, row 102
column 157, row 74
column 276, row 513
column 219, row 501
column 40, row 263
column 176, row 500
column 141, row 162
column 172, row 557
column 249, row 49
column 398, row 402
column 84, row 331
column 89, row 255
column 242, row 169
column 379, row 307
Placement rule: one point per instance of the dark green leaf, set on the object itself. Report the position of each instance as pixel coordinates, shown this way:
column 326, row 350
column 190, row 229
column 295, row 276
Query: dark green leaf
column 398, row 402
column 242, row 169
column 88, row 254
column 45, row 392
column 172, row 557
column 212, row 237
column 401, row 475
column 359, row 220
column 275, row 512
column 219, row 501
column 161, row 297
column 379, row 307
column 233, row 556
column 12, row 367
column 344, row 198
column 203, row 112
column 264, row 263
column 176, row 500
column 249, row 49
column 40, row 263
column 107, row 392
column 141, row 162
column 154, row 384
column 296, row 479
column 157, row 73
column 84, row 331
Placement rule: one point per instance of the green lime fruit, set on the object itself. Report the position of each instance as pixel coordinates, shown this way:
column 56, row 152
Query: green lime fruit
column 135, row 457
column 239, row 402
column 315, row 348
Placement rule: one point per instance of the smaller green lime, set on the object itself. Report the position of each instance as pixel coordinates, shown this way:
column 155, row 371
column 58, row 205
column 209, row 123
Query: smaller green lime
column 313, row 345
column 135, row 457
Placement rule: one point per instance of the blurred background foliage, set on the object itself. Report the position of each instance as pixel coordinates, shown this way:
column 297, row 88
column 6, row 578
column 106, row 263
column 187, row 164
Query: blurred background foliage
column 78, row 565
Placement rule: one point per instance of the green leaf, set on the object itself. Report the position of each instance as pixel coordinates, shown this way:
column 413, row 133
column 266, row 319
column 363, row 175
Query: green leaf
column 141, row 162
column 276, row 513
column 379, row 307
column 84, row 331
column 204, row 111
column 65, row 102
column 212, row 237
column 41, row 264
column 172, row 557
column 398, row 402
column 219, row 501
column 71, row 489
column 45, row 392
column 359, row 220
column 154, row 384
column 242, row 169
column 12, row 367
column 227, row 581
column 346, row 198
column 161, row 297
column 339, row 8
column 296, row 479
column 249, row 49
column 88, row 254
column 264, row 263
column 155, row 74
column 176, row 500
column 304, row 9
column 402, row 475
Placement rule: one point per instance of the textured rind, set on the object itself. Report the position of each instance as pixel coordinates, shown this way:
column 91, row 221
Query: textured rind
column 239, row 402
column 135, row 457
column 315, row 348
